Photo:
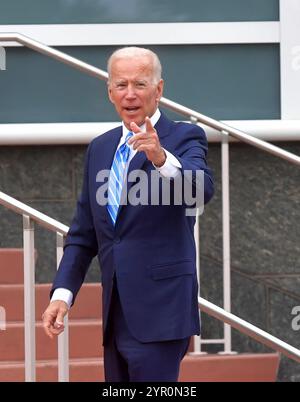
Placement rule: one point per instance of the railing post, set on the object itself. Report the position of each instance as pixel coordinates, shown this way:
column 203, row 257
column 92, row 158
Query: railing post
column 197, row 339
column 29, row 299
column 63, row 338
column 226, row 238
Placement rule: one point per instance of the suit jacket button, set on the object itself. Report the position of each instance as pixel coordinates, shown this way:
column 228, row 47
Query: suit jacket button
column 117, row 240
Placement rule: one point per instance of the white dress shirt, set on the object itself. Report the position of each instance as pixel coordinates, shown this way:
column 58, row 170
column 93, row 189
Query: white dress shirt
column 169, row 169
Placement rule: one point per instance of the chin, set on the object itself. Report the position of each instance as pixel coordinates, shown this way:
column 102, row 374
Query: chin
column 137, row 120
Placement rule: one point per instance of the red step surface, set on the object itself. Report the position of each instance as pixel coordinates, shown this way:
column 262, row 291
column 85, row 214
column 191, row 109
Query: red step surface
column 80, row 370
column 208, row 368
column 86, row 363
column 11, row 266
column 85, row 341
column 87, row 306
column 230, row 368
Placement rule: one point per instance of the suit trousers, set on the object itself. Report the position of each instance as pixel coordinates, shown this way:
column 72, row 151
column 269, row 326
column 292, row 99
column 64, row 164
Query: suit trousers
column 126, row 359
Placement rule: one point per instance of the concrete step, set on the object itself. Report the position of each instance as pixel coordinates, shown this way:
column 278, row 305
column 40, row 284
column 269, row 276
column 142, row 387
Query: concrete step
column 86, row 352
column 85, row 341
column 231, row 368
column 87, row 305
column 11, row 266
column 81, row 370
column 207, row 368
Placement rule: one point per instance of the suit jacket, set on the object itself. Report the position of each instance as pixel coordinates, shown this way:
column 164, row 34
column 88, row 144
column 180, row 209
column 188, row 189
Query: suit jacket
column 151, row 248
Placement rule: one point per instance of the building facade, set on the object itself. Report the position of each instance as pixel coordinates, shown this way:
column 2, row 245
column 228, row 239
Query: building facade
column 232, row 60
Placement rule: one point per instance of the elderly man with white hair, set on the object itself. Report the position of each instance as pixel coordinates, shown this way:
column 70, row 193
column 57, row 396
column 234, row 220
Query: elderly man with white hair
column 146, row 249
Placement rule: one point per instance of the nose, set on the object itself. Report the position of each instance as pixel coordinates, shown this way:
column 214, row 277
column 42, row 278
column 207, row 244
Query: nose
column 130, row 94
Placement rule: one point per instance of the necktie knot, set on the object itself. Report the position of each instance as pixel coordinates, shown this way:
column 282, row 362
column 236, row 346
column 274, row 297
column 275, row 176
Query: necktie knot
column 129, row 135
column 125, row 149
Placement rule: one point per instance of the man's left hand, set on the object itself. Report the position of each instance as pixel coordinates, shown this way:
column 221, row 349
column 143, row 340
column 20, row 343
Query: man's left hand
column 148, row 142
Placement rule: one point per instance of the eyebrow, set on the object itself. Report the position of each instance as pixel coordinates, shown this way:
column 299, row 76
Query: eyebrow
column 123, row 81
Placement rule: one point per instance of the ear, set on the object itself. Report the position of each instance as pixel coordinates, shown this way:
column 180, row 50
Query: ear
column 160, row 89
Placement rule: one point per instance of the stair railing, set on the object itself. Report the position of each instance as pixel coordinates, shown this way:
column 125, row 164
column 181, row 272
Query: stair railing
column 195, row 117
column 31, row 216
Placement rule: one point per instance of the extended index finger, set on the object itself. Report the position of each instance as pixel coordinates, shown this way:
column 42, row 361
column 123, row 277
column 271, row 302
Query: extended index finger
column 149, row 127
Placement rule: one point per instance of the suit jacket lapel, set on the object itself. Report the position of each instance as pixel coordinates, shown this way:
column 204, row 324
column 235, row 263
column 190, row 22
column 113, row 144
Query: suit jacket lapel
column 113, row 140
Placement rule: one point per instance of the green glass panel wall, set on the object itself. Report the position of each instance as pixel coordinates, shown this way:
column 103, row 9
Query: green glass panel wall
column 223, row 81
column 128, row 11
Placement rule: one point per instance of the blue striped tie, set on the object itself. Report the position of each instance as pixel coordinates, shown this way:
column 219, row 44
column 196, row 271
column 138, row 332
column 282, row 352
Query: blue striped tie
column 116, row 178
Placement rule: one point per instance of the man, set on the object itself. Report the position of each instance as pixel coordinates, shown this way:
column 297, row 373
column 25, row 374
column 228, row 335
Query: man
column 146, row 252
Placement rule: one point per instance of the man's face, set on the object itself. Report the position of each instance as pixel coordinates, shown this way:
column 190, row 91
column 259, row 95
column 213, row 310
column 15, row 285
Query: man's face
column 132, row 89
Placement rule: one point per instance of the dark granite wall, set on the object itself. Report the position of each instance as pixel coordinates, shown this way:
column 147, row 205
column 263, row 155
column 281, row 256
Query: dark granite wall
column 265, row 247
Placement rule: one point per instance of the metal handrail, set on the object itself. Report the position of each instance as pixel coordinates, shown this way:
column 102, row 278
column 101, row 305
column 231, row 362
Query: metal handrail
column 42, row 219
column 205, row 306
column 30, row 216
column 249, row 329
column 176, row 107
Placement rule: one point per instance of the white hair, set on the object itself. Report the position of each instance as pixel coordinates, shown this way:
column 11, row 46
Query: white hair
column 135, row 52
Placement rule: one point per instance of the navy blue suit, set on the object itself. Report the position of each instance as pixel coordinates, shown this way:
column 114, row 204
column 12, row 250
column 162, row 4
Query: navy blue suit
column 150, row 251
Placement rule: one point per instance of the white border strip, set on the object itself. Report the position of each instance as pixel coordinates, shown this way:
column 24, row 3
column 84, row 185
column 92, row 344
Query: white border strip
column 187, row 33
column 290, row 59
column 83, row 133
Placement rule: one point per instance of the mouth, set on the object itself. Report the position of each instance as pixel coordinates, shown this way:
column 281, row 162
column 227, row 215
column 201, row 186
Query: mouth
column 131, row 109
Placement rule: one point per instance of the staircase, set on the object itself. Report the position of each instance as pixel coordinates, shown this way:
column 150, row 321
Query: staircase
column 86, row 353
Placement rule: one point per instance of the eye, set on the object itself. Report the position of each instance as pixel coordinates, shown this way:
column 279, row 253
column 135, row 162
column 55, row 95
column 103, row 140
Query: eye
column 120, row 85
column 140, row 85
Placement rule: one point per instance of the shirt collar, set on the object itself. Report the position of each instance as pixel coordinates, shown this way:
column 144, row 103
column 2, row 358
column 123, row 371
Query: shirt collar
column 154, row 119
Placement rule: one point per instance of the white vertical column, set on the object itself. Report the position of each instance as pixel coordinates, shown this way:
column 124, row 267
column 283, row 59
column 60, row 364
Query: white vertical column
column 290, row 58
column 197, row 343
column 226, row 237
column 63, row 338
column 29, row 299
column 197, row 339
